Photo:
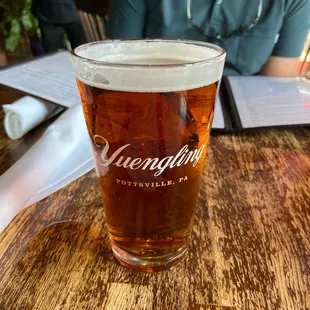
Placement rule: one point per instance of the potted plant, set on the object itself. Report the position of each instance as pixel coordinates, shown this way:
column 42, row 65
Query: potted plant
column 16, row 21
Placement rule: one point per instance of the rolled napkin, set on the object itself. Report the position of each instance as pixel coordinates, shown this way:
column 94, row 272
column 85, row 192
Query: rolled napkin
column 60, row 156
column 26, row 113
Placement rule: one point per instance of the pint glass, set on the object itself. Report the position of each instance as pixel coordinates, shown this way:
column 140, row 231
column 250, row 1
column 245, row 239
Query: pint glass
column 149, row 106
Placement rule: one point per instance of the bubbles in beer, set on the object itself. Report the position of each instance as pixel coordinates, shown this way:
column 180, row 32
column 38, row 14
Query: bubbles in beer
column 155, row 126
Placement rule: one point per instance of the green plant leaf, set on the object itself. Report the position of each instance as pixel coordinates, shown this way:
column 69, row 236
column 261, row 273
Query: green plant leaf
column 27, row 5
column 13, row 36
column 15, row 26
column 28, row 20
column 12, row 42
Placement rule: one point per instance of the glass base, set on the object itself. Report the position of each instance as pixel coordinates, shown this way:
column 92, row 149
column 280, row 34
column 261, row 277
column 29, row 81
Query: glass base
column 148, row 264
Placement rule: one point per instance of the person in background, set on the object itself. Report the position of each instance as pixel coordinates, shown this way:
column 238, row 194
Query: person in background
column 57, row 17
column 260, row 36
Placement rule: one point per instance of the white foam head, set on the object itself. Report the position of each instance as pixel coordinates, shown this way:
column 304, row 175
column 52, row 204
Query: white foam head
column 148, row 65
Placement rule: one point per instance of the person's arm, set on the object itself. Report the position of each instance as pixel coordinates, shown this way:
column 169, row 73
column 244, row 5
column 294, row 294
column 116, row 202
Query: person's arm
column 126, row 19
column 285, row 56
column 280, row 66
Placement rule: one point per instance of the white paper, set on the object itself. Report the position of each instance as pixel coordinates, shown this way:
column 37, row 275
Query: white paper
column 59, row 157
column 51, row 78
column 218, row 120
column 267, row 101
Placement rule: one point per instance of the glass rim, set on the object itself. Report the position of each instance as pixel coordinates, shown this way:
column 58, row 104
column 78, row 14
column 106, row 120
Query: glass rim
column 207, row 60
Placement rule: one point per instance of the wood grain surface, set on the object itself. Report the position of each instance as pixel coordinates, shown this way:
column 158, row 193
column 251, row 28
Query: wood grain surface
column 250, row 246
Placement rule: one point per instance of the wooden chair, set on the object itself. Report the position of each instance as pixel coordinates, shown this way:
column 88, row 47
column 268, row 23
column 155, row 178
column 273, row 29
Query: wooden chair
column 93, row 26
column 93, row 15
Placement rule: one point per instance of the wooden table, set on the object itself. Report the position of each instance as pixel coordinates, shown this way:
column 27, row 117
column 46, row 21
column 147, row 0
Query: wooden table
column 250, row 246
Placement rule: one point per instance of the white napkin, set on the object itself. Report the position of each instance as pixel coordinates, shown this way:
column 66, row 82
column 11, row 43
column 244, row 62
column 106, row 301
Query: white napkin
column 26, row 113
column 61, row 155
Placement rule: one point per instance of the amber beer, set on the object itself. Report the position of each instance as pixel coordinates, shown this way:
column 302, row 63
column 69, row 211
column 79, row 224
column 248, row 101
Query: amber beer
column 150, row 140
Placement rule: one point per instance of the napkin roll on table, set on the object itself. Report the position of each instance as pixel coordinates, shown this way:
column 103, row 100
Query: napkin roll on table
column 25, row 114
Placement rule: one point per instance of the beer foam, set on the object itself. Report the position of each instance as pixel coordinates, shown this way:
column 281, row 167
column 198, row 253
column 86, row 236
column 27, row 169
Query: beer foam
column 148, row 66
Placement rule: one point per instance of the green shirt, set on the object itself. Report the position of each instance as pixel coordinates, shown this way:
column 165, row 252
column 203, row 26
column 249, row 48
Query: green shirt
column 280, row 31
